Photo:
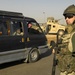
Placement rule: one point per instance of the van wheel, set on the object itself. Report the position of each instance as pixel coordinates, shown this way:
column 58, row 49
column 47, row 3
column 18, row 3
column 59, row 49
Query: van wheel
column 33, row 55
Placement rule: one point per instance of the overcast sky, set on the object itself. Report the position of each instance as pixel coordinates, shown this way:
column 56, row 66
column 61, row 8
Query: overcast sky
column 38, row 9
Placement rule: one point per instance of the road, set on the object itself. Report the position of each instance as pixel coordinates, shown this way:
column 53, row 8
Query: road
column 42, row 67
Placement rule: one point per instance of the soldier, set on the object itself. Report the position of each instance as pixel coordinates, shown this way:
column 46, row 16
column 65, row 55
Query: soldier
column 66, row 49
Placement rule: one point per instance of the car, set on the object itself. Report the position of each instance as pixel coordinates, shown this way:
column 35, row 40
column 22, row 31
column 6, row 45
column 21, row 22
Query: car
column 16, row 41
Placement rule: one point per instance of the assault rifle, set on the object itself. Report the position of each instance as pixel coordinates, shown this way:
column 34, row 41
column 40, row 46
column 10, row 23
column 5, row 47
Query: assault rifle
column 55, row 47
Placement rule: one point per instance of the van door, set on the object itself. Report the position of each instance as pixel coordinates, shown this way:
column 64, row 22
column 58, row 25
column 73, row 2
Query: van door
column 17, row 33
column 10, row 38
column 36, row 36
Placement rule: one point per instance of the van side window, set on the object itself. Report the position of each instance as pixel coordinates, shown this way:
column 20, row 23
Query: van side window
column 33, row 28
column 17, row 28
column 3, row 28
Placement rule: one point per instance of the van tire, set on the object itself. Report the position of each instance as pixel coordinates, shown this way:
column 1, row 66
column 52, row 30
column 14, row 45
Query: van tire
column 33, row 55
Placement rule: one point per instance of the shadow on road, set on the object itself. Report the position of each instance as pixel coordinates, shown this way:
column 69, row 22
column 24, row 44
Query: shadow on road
column 5, row 65
column 48, row 53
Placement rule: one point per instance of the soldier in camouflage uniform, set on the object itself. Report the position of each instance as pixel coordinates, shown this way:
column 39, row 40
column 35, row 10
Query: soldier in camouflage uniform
column 66, row 49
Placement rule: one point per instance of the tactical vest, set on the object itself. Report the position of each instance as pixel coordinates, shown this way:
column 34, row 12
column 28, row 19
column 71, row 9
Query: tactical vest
column 66, row 60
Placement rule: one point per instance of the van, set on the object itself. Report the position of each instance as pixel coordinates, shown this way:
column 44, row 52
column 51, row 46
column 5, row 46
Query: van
column 17, row 40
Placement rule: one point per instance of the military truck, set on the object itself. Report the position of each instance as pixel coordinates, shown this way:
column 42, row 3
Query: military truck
column 51, row 28
column 54, row 27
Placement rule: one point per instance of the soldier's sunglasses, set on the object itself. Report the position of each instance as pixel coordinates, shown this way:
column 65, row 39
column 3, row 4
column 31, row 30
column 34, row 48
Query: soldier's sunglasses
column 69, row 16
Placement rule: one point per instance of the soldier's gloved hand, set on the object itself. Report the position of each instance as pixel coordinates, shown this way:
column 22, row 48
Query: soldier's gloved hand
column 53, row 51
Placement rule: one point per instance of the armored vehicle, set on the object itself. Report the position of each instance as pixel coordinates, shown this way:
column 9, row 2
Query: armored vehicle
column 51, row 28
column 54, row 27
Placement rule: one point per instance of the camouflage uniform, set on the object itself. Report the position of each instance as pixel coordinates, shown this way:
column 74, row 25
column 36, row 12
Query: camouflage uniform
column 66, row 52
column 66, row 55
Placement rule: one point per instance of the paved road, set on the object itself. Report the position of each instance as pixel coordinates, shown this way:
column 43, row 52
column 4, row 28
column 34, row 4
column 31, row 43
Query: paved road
column 42, row 67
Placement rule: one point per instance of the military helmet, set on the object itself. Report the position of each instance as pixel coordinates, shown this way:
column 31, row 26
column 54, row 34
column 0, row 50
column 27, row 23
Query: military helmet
column 69, row 10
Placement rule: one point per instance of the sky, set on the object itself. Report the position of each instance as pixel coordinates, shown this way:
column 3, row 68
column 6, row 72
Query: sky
column 40, row 10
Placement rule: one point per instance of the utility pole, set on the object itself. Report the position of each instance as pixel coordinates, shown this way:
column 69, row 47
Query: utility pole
column 44, row 16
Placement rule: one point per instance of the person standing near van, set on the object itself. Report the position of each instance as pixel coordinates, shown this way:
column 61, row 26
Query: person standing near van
column 66, row 50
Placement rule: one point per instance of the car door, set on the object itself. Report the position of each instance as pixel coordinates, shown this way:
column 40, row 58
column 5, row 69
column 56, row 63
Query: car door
column 8, row 41
column 36, row 36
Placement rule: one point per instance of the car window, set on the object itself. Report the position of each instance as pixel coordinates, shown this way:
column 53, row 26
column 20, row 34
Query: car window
column 17, row 28
column 3, row 27
column 33, row 28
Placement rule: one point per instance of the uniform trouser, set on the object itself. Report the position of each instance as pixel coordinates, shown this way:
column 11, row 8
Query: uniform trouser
column 65, row 73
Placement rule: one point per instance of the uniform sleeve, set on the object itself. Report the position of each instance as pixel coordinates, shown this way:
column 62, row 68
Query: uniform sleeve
column 73, row 42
